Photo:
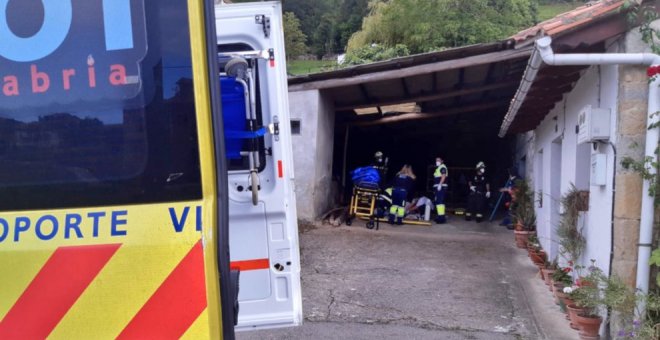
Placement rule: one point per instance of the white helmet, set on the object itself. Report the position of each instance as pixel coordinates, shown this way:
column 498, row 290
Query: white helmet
column 481, row 165
column 378, row 154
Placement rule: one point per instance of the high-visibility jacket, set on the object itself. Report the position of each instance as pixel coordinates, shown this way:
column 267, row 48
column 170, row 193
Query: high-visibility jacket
column 439, row 172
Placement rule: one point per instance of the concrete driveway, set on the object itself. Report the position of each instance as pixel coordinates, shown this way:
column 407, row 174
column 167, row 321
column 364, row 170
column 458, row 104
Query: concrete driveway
column 456, row 281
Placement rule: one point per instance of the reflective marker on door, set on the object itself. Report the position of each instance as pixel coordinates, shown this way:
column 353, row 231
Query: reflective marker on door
column 280, row 171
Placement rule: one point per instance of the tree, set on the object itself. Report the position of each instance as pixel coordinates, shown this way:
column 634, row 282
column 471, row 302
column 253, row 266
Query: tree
column 328, row 24
column 428, row 25
column 294, row 38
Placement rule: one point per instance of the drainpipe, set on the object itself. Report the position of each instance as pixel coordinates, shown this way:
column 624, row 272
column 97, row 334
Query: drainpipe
column 648, row 59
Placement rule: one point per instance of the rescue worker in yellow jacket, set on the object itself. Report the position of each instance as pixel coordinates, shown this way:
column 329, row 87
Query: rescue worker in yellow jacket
column 479, row 193
column 440, row 183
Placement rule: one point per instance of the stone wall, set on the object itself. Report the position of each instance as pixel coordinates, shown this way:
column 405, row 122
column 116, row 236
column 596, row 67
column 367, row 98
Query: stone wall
column 631, row 134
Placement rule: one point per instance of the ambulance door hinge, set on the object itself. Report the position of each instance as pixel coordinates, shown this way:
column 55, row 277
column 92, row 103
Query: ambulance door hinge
column 274, row 128
column 264, row 21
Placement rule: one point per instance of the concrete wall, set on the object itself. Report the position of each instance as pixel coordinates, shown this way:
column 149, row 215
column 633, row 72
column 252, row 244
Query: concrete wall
column 312, row 152
column 323, row 187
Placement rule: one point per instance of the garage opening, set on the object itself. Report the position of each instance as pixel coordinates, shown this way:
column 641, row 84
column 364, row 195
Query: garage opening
column 449, row 104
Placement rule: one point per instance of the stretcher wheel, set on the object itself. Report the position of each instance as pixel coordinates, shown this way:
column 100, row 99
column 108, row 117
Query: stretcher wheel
column 370, row 225
column 236, row 67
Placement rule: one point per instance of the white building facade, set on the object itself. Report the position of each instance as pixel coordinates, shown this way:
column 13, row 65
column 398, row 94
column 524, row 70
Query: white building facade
column 554, row 160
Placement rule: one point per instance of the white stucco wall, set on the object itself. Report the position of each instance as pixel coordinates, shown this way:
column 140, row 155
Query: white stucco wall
column 558, row 162
column 312, row 152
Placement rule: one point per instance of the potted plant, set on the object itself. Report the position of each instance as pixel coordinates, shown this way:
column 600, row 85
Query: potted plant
column 550, row 268
column 536, row 253
column 560, row 279
column 524, row 213
column 571, row 240
column 571, row 307
column 590, row 298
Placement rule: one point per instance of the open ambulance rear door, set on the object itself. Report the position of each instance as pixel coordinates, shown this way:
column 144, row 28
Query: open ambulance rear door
column 263, row 231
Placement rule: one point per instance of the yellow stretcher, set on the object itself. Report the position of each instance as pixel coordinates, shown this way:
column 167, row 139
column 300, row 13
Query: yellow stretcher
column 363, row 204
column 405, row 221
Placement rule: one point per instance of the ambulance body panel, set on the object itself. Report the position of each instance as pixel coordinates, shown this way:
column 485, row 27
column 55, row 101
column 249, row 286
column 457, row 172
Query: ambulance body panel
column 111, row 179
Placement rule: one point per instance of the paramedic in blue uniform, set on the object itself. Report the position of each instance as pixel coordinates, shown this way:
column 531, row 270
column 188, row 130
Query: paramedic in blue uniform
column 380, row 164
column 479, row 193
column 440, row 181
column 403, row 184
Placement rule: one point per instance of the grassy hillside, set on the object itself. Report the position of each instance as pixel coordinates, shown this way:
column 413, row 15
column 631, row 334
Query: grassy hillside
column 299, row 67
column 549, row 11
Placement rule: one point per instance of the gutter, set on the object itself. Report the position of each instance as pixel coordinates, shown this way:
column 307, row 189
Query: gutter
column 544, row 49
column 531, row 70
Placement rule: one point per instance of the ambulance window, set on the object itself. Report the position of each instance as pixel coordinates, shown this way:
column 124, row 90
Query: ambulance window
column 91, row 137
column 295, row 126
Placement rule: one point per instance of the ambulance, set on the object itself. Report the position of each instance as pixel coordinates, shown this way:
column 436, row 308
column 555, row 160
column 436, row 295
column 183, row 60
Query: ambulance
column 146, row 171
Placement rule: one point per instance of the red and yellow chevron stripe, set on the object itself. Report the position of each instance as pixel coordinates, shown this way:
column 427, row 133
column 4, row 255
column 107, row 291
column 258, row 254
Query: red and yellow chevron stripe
column 54, row 303
column 154, row 276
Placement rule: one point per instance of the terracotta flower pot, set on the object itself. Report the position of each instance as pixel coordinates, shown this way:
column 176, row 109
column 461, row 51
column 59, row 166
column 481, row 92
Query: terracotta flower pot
column 521, row 237
column 537, row 258
column 567, row 301
column 586, row 337
column 589, row 326
column 573, row 311
column 555, row 288
column 548, row 277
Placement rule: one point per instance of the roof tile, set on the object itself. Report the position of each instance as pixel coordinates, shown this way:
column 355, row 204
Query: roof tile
column 564, row 22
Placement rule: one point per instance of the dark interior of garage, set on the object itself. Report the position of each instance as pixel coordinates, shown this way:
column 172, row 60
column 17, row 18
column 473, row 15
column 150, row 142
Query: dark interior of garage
column 462, row 140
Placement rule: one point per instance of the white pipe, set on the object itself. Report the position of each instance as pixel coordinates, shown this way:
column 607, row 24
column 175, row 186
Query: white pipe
column 646, row 222
column 652, row 135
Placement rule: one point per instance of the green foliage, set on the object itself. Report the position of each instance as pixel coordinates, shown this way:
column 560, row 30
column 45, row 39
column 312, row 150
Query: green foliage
column 294, row 38
column 655, row 260
column 368, row 54
column 570, row 236
column 624, row 300
column 563, row 276
column 328, row 24
column 551, row 10
column 647, row 168
column 523, row 205
column 590, row 295
column 424, row 25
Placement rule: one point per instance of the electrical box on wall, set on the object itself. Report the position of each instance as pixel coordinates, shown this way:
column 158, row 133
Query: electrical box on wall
column 598, row 169
column 593, row 124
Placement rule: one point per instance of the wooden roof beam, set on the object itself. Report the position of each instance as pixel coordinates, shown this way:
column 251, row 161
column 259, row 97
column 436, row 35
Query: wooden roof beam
column 431, row 97
column 434, row 115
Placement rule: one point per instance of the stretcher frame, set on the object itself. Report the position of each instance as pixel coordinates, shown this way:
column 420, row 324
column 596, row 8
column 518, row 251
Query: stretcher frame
column 363, row 204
